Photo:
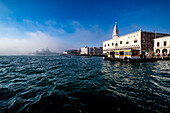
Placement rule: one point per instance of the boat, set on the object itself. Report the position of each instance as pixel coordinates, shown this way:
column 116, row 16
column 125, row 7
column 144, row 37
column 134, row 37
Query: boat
column 127, row 55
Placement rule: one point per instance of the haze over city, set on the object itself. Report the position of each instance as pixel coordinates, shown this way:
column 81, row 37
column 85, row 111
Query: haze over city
column 30, row 25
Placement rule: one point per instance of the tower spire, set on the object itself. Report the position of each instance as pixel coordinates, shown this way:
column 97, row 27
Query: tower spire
column 115, row 31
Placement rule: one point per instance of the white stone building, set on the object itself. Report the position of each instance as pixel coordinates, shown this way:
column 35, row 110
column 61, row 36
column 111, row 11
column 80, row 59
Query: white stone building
column 139, row 40
column 92, row 50
column 85, row 50
column 162, row 45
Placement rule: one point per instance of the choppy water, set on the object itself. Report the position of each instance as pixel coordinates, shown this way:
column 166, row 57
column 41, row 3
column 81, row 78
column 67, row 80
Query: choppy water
column 82, row 85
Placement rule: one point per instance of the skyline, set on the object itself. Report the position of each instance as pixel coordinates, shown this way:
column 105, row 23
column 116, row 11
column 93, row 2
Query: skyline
column 29, row 25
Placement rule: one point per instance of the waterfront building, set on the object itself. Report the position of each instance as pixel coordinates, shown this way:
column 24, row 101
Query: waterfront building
column 162, row 45
column 91, row 50
column 72, row 51
column 97, row 50
column 85, row 50
column 139, row 40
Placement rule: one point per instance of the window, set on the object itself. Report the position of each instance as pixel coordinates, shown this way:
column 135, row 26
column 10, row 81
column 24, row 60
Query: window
column 135, row 53
column 105, row 45
column 112, row 44
column 127, row 53
column 143, row 40
column 116, row 53
column 127, row 42
column 164, row 51
column 143, row 34
column 164, row 43
column 157, row 44
column 108, row 45
column 116, row 44
column 120, row 42
column 152, row 35
column 135, row 41
column 121, row 53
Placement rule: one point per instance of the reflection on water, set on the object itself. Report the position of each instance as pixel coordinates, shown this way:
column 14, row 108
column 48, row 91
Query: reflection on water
column 82, row 84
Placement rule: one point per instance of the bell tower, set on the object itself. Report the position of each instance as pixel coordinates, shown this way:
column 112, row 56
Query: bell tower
column 115, row 31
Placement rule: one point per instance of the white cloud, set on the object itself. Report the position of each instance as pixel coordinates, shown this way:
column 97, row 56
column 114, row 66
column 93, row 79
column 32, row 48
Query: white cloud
column 20, row 38
column 92, row 36
column 27, row 21
column 32, row 41
column 28, row 35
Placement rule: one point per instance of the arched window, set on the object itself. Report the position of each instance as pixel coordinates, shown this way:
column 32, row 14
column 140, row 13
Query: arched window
column 164, row 43
column 108, row 45
column 120, row 42
column 112, row 44
column 164, row 51
column 127, row 42
column 143, row 34
column 157, row 51
column 116, row 44
column 135, row 41
column 143, row 40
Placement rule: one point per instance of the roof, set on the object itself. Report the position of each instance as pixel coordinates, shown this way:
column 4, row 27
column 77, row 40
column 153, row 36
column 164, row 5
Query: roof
column 122, row 36
column 163, row 37
column 115, row 31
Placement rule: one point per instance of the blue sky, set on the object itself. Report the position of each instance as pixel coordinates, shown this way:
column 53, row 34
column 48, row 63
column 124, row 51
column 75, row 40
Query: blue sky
column 29, row 25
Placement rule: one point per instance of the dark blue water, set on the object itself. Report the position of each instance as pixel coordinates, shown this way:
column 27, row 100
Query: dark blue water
column 78, row 84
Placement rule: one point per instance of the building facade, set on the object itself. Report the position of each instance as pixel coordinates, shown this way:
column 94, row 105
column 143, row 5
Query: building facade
column 97, row 50
column 72, row 51
column 162, row 45
column 92, row 51
column 139, row 40
column 84, row 51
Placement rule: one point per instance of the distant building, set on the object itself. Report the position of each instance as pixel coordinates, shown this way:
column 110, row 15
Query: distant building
column 44, row 52
column 97, row 50
column 79, row 51
column 72, row 51
column 91, row 50
column 85, row 50
column 162, row 45
column 142, row 41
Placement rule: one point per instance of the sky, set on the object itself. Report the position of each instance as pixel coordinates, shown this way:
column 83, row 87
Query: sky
column 30, row 25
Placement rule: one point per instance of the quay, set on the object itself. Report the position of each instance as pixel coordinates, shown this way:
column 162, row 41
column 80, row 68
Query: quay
column 91, row 55
column 101, row 55
column 151, row 59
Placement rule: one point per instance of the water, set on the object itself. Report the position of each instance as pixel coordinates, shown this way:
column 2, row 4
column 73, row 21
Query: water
column 78, row 84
